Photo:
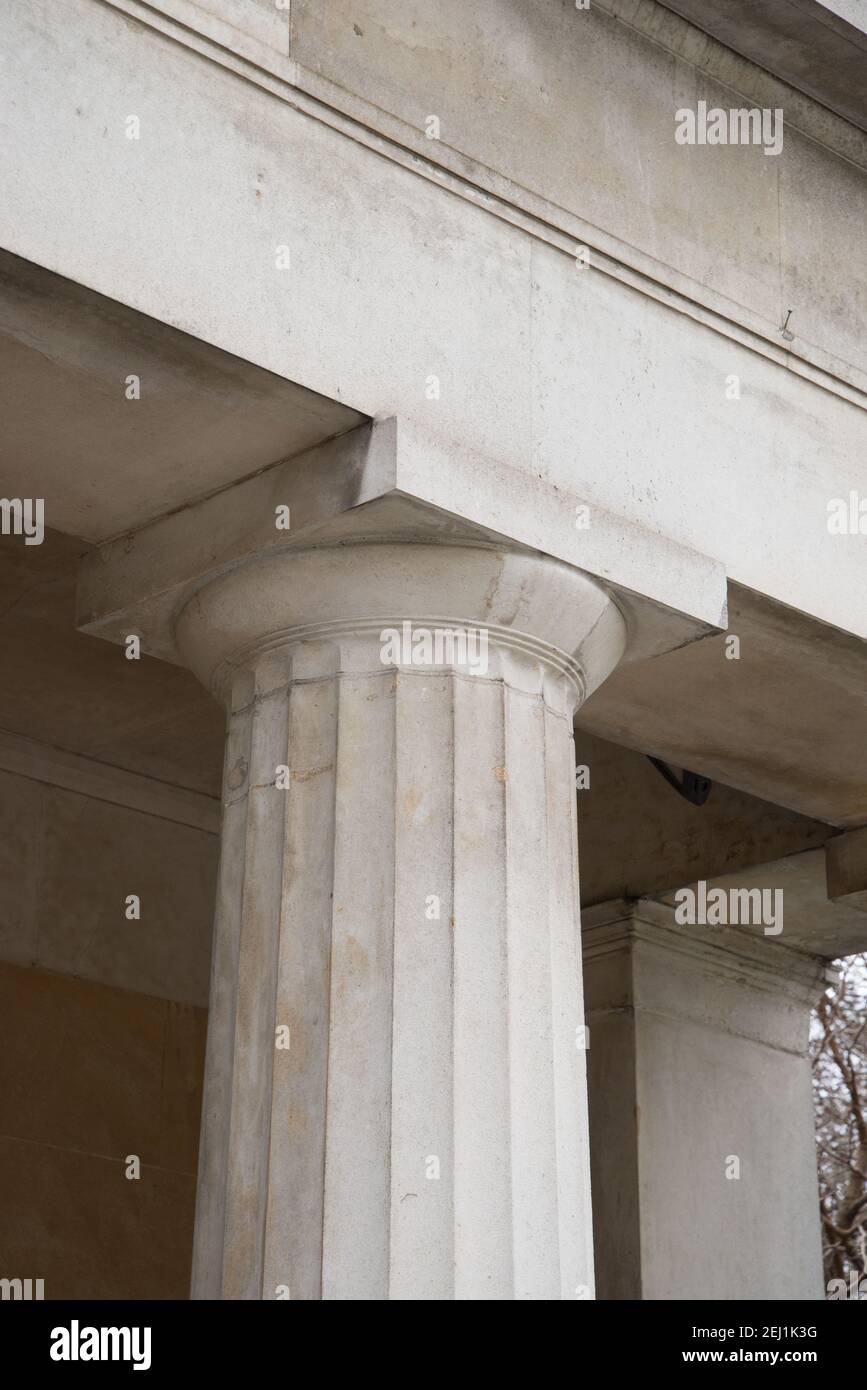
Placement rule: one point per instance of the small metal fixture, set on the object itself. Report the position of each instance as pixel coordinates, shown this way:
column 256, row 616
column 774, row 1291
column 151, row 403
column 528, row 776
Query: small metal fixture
column 789, row 337
column 690, row 785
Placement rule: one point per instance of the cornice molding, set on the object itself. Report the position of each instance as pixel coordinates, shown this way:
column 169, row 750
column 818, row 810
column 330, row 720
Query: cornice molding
column 283, row 78
column 367, row 632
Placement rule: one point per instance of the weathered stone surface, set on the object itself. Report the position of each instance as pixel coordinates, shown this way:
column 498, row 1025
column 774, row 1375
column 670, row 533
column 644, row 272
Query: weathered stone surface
column 407, row 907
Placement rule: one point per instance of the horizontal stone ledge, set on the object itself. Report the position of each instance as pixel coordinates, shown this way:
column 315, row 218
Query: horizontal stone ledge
column 39, row 762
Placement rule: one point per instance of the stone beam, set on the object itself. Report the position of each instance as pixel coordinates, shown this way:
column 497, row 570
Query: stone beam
column 807, row 920
column 804, row 42
column 846, row 868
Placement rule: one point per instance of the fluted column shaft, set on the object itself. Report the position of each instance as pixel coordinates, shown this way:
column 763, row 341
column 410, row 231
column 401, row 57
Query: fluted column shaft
column 395, row 1096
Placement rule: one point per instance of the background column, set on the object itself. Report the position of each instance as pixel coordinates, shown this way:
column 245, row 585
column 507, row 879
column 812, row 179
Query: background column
column 703, row 1143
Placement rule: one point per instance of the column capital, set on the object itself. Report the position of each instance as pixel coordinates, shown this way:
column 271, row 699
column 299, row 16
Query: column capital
column 382, row 485
column 482, row 612
column 737, row 957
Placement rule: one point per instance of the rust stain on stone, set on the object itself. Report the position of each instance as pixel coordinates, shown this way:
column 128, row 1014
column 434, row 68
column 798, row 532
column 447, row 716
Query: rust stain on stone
column 309, row 772
column 353, row 968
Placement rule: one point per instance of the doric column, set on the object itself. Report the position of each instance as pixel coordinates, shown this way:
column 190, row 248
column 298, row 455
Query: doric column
column 704, row 1150
column 395, row 1100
